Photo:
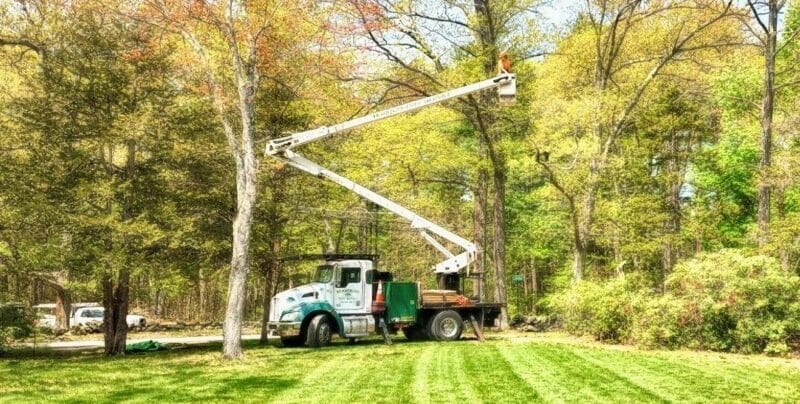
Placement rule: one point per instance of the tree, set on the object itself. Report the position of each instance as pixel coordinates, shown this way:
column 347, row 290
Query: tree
column 408, row 34
column 621, row 71
column 241, row 43
column 765, row 15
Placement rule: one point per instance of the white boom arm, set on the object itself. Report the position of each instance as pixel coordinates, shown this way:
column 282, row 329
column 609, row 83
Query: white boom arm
column 280, row 149
column 506, row 82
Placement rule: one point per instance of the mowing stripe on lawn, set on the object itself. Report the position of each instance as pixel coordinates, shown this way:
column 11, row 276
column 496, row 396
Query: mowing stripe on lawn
column 561, row 376
column 468, row 372
column 494, row 378
column 419, row 388
column 697, row 380
column 444, row 376
column 359, row 374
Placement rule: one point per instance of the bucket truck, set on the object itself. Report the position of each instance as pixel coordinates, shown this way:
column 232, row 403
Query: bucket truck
column 350, row 296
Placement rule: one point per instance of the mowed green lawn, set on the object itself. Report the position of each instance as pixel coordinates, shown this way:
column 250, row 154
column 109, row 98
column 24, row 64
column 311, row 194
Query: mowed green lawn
column 504, row 369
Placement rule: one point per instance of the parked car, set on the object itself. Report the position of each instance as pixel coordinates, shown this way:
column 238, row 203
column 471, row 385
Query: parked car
column 89, row 314
column 82, row 313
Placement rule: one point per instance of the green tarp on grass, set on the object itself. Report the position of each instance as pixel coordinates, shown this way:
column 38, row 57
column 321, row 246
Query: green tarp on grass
column 145, row 346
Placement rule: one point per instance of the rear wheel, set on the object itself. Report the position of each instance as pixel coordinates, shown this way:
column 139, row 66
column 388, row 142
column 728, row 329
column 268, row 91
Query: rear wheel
column 446, row 326
column 319, row 332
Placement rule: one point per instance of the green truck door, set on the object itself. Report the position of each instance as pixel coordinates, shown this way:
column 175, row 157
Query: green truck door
column 401, row 302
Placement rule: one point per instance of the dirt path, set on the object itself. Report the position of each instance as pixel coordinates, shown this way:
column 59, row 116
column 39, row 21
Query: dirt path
column 95, row 344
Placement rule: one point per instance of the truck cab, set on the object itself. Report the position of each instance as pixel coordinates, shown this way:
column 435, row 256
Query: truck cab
column 338, row 300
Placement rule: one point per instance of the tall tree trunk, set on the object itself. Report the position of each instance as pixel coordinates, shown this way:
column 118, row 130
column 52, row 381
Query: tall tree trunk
column 780, row 205
column 115, row 302
column 116, row 297
column 63, row 308
column 479, row 232
column 534, row 285
column 672, row 226
column 767, row 108
column 485, row 120
column 499, row 238
column 202, row 298
column 270, row 278
column 240, row 262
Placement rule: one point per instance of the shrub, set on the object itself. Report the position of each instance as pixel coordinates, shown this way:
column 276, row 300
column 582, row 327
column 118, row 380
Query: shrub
column 15, row 322
column 603, row 310
column 730, row 302
column 725, row 301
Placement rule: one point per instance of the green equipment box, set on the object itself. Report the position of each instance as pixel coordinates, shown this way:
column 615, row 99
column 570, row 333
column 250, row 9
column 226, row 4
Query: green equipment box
column 402, row 300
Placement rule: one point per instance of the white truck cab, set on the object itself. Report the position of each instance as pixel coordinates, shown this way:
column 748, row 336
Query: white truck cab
column 341, row 291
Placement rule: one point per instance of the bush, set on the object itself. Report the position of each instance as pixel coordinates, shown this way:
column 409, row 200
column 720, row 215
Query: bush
column 603, row 310
column 15, row 322
column 729, row 302
column 724, row 301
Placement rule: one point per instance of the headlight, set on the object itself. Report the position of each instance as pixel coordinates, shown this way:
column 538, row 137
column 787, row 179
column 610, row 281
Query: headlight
column 292, row 316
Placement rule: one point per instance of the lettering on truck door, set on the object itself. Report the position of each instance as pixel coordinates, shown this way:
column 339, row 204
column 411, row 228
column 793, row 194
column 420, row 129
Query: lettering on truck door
column 348, row 290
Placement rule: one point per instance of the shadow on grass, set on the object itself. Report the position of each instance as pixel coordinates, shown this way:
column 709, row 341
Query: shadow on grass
column 182, row 373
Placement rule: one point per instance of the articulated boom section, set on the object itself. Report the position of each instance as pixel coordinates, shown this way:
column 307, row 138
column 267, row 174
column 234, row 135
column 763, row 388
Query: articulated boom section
column 281, row 149
column 452, row 264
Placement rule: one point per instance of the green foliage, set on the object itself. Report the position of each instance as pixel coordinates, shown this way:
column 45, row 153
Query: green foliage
column 15, row 322
column 725, row 301
column 604, row 310
column 732, row 302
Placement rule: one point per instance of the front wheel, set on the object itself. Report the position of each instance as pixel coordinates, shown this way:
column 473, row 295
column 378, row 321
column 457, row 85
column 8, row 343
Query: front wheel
column 319, row 331
column 446, row 326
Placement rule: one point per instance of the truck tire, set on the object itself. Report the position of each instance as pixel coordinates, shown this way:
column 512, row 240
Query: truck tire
column 446, row 325
column 319, row 331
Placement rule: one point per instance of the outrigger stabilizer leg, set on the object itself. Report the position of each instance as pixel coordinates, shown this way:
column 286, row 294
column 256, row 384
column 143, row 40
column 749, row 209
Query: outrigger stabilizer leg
column 384, row 332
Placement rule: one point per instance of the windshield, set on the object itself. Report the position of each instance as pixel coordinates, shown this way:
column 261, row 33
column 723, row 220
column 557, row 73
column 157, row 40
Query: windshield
column 324, row 273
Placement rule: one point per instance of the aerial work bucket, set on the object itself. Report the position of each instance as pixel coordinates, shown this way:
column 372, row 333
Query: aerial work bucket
column 507, row 93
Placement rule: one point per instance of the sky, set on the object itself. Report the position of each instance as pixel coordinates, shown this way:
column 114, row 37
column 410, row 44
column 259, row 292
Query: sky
column 558, row 13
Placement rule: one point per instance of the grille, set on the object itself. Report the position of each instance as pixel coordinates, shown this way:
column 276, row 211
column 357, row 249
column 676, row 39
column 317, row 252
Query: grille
column 273, row 310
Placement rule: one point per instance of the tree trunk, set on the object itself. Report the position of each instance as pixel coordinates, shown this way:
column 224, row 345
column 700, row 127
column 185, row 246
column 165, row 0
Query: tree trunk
column 63, row 308
column 479, row 231
column 270, row 279
column 240, row 265
column 115, row 302
column 767, row 108
column 499, row 238
column 201, row 295
column 116, row 299
column 265, row 306
column 674, row 170
column 582, row 225
column 534, row 286
column 783, row 250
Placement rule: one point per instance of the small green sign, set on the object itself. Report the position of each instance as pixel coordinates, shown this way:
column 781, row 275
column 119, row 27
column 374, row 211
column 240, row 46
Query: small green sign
column 517, row 278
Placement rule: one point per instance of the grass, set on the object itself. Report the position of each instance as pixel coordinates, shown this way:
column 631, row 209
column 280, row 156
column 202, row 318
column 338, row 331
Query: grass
column 504, row 369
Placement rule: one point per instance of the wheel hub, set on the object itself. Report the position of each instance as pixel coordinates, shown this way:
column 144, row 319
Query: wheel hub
column 448, row 328
column 324, row 332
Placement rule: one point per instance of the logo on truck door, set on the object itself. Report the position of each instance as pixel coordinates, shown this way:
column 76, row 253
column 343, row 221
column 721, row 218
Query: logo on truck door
column 348, row 288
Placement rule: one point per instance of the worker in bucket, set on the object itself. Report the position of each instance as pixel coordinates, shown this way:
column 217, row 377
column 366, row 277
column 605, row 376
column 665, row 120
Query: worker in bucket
column 504, row 64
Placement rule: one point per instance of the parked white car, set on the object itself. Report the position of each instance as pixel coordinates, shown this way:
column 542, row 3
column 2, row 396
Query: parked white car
column 82, row 313
column 95, row 314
